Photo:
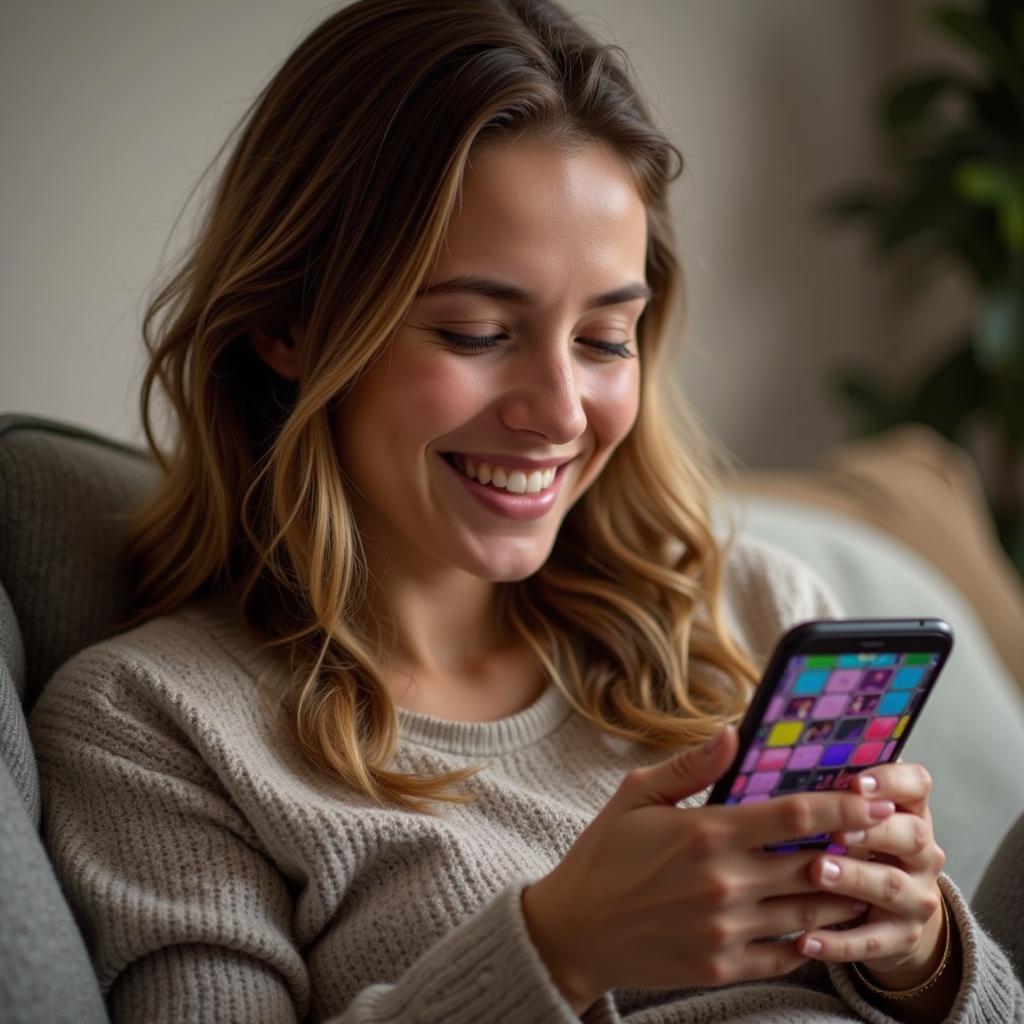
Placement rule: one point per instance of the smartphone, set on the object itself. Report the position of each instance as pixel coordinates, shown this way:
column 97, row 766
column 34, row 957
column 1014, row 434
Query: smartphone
column 838, row 696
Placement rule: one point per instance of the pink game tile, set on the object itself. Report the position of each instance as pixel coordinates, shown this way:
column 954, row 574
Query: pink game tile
column 881, row 727
column 774, row 759
column 867, row 753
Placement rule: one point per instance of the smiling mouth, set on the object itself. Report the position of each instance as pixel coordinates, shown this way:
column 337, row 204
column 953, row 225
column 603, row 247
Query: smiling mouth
column 503, row 478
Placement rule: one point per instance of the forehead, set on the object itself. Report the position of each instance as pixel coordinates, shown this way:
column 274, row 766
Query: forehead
column 538, row 210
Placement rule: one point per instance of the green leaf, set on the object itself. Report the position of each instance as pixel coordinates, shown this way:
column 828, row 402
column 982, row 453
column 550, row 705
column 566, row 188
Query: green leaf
column 999, row 185
column 999, row 335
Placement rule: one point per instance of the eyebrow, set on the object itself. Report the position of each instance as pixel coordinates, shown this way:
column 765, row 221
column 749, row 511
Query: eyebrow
column 503, row 292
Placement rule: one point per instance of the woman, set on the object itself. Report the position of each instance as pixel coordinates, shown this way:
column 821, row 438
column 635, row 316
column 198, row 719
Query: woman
column 437, row 651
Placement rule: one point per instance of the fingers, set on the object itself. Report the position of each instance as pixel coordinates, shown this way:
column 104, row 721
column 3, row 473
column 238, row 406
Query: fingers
column 904, row 836
column 803, row 913
column 805, row 814
column 884, row 885
column 905, row 784
column 907, row 836
column 757, row 960
column 866, row 942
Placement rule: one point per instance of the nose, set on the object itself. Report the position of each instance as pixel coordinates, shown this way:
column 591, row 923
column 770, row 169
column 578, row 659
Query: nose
column 544, row 396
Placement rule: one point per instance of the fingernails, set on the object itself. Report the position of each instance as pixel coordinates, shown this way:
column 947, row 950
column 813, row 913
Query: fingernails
column 868, row 783
column 854, row 837
column 830, row 869
column 879, row 809
column 812, row 947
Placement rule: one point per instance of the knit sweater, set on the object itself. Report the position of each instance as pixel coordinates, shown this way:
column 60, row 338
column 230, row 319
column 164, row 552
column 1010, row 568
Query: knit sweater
column 216, row 876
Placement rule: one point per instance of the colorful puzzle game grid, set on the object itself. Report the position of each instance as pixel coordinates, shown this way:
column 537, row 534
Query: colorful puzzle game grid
column 833, row 716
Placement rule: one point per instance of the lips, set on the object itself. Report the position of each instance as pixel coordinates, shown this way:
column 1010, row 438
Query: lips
column 509, row 504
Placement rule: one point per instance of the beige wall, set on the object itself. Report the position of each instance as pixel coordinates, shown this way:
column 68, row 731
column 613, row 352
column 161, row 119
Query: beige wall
column 110, row 109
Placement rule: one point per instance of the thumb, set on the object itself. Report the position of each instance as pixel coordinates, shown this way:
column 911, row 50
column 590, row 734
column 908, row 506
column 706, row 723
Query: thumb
column 687, row 773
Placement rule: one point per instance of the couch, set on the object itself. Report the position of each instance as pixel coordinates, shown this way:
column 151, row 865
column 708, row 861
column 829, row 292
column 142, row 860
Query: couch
column 885, row 548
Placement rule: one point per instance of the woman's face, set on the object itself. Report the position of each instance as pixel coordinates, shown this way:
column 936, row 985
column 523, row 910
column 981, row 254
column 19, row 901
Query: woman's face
column 545, row 258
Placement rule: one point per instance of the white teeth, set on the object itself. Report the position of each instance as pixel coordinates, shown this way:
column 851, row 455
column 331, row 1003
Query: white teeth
column 515, row 481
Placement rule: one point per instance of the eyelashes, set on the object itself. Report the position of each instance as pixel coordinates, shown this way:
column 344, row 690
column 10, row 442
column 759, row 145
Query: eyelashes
column 480, row 343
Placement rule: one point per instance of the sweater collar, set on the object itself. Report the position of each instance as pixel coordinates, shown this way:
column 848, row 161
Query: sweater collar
column 501, row 736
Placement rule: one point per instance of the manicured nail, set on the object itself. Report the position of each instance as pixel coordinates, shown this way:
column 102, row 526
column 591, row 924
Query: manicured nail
column 854, row 837
column 879, row 809
column 868, row 783
column 812, row 947
column 830, row 869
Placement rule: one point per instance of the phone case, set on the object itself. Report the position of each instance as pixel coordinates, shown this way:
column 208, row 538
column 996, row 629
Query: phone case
column 837, row 697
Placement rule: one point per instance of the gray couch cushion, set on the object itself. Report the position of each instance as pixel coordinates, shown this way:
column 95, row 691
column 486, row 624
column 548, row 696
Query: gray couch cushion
column 45, row 972
column 64, row 493
column 15, row 748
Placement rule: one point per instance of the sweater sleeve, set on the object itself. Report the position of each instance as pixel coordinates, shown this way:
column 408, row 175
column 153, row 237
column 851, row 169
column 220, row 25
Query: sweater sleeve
column 989, row 991
column 486, row 969
column 185, row 916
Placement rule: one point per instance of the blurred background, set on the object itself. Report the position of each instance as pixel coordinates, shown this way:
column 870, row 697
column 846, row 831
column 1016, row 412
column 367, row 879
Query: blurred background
column 111, row 109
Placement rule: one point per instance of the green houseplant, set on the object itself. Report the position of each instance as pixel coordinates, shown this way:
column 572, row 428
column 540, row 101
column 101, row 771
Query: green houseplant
column 954, row 146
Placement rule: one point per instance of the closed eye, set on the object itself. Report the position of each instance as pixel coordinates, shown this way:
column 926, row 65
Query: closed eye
column 478, row 343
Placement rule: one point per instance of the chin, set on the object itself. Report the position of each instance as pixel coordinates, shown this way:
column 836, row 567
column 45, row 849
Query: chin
column 517, row 565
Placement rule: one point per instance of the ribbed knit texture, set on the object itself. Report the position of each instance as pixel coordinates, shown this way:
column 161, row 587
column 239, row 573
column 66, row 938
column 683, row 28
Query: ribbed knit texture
column 217, row 877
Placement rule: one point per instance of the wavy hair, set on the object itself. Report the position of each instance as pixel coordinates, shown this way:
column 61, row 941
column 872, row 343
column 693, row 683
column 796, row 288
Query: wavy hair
column 329, row 211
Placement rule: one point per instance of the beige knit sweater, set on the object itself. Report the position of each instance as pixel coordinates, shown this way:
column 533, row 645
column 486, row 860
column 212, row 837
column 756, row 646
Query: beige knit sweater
column 217, row 877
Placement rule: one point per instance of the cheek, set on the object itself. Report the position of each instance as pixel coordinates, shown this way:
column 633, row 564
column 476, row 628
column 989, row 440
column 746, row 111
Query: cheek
column 614, row 404
column 403, row 404
column 437, row 396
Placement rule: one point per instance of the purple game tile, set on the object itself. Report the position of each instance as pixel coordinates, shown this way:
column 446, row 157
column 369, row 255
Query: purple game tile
column 830, row 706
column 837, row 754
column 775, row 706
column 876, row 679
column 805, row 757
column 843, row 680
column 763, row 782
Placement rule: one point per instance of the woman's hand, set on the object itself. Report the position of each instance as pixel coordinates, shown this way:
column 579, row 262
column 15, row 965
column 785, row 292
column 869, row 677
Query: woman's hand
column 652, row 895
column 901, row 939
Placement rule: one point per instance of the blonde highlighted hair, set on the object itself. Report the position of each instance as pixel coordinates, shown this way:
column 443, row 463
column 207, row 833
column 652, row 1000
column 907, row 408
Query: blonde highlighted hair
column 329, row 211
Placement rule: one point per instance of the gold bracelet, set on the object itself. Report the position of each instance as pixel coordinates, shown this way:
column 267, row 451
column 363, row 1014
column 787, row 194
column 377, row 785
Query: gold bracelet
column 910, row 993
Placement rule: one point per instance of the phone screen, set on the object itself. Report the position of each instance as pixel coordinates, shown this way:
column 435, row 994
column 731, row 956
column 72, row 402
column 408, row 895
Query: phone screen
column 830, row 717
